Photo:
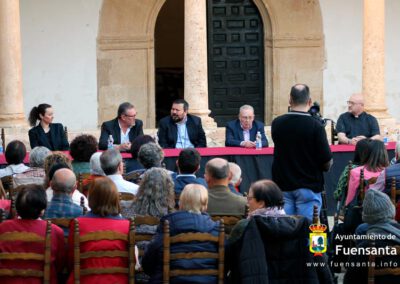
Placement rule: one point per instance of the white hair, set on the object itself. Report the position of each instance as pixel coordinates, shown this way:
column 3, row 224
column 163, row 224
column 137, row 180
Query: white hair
column 236, row 172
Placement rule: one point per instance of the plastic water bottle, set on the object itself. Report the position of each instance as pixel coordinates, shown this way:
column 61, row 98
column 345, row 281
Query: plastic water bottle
column 258, row 141
column 386, row 136
column 110, row 142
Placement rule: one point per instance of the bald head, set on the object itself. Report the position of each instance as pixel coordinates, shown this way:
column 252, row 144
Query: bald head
column 217, row 172
column 299, row 95
column 356, row 104
column 64, row 181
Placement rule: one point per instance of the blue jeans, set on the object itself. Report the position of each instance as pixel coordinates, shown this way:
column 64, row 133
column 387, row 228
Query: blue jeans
column 301, row 202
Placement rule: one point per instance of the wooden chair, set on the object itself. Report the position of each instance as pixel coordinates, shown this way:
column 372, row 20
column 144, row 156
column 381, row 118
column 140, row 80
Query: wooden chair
column 82, row 204
column 374, row 270
column 63, row 223
column 18, row 256
column 8, row 184
column 81, row 177
column 229, row 221
column 3, row 139
column 139, row 236
column 340, row 208
column 334, row 136
column 104, row 235
column 126, row 196
column 66, row 132
column 133, row 176
column 394, row 192
column 190, row 237
column 2, row 215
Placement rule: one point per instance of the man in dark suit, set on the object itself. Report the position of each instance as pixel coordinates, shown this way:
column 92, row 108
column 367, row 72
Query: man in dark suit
column 242, row 132
column 124, row 128
column 180, row 129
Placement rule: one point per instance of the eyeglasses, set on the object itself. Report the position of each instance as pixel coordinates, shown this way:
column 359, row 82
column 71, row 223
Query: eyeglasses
column 249, row 197
column 350, row 103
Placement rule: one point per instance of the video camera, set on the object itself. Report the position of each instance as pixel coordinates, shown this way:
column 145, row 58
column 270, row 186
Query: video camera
column 315, row 112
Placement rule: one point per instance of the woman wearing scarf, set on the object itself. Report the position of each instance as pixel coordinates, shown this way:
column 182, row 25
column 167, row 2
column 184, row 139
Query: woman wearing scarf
column 270, row 246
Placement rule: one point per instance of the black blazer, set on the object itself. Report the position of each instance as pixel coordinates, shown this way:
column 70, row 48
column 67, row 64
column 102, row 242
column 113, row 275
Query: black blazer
column 58, row 142
column 234, row 133
column 112, row 128
column 168, row 132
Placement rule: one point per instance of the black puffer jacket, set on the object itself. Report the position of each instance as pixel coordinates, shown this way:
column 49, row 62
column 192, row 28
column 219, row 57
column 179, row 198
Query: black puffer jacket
column 275, row 250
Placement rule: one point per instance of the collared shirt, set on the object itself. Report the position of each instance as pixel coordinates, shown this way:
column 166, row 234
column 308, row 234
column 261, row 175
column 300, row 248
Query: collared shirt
column 62, row 206
column 13, row 169
column 76, row 197
column 183, row 140
column 123, row 185
column 124, row 136
column 364, row 124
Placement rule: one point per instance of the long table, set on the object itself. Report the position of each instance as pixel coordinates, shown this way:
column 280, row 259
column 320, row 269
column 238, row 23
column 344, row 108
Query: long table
column 257, row 164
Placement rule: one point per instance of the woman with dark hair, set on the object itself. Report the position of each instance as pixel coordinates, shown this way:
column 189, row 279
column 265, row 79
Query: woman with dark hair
column 270, row 246
column 81, row 149
column 133, row 164
column 47, row 134
column 361, row 155
column 15, row 155
column 377, row 161
column 104, row 215
column 31, row 203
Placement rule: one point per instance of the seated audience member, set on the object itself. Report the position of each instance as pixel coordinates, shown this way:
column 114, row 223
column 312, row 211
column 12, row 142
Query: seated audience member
column 47, row 134
column 361, row 155
column 111, row 163
column 236, row 178
column 150, row 155
column 15, row 155
column 56, row 161
column 61, row 205
column 36, row 173
column 155, row 196
column 378, row 213
column 5, row 203
column 242, row 132
column 270, row 246
column 81, row 149
column 133, row 164
column 221, row 200
column 105, row 216
column 31, row 203
column 180, row 129
column 376, row 163
column 95, row 171
column 123, row 129
column 356, row 124
column 188, row 164
column 191, row 217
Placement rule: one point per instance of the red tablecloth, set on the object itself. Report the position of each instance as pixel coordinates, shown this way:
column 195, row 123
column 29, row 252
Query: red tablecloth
column 221, row 151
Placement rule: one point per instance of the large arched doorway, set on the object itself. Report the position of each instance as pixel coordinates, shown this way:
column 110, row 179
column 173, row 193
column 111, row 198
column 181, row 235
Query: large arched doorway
column 169, row 45
column 235, row 58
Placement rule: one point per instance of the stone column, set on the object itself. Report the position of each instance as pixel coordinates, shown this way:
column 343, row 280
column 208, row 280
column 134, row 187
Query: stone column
column 11, row 101
column 195, row 69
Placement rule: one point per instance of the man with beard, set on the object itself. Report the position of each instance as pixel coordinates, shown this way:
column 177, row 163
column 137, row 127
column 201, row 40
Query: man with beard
column 180, row 129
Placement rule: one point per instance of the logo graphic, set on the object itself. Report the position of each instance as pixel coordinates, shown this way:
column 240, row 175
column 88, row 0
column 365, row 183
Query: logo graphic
column 318, row 239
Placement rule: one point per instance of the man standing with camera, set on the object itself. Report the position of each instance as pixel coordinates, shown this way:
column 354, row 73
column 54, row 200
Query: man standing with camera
column 301, row 155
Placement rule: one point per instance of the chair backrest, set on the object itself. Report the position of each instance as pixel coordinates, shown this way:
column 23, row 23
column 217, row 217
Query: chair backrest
column 191, row 237
column 66, row 132
column 28, row 237
column 126, row 196
column 144, row 236
column 104, row 235
column 2, row 215
column 133, row 176
column 376, row 270
column 394, row 192
column 3, row 139
column 82, row 204
column 8, row 184
column 81, row 177
column 229, row 221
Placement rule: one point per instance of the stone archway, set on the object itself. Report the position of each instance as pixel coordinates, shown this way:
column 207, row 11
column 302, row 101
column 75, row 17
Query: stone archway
column 293, row 47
